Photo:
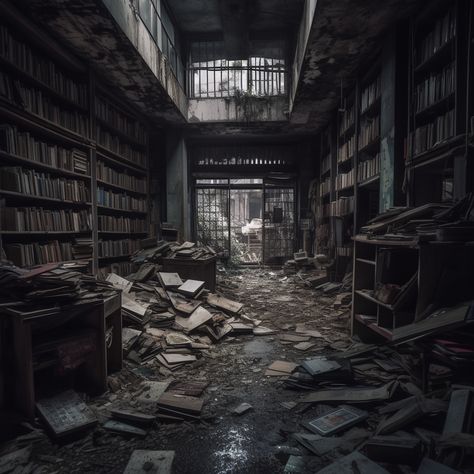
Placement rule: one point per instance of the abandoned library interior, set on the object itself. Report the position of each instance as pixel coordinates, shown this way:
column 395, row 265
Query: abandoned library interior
column 236, row 237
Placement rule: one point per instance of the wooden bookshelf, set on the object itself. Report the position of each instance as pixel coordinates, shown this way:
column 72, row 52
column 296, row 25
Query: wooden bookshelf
column 325, row 191
column 343, row 202
column 73, row 157
column 437, row 106
column 368, row 154
column 416, row 270
column 122, row 181
column 45, row 172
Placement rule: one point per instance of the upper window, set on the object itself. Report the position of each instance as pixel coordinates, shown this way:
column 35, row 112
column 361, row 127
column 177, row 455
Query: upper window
column 155, row 17
column 211, row 75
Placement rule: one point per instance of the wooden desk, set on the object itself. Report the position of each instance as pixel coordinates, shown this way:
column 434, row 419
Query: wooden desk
column 95, row 314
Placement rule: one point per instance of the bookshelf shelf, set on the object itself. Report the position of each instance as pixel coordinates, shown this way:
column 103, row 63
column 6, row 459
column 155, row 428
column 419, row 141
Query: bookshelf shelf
column 348, row 131
column 439, row 58
column 438, row 151
column 15, row 159
column 346, row 161
column 117, row 232
column 29, row 197
column 114, row 209
column 372, row 109
column 26, row 233
column 120, row 134
column 116, row 257
column 40, row 121
column 373, row 181
column 119, row 160
column 435, row 109
column 372, row 147
column 49, row 130
column 40, row 84
column 120, row 188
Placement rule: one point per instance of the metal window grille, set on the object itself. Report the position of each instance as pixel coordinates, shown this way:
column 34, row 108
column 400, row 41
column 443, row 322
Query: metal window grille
column 210, row 75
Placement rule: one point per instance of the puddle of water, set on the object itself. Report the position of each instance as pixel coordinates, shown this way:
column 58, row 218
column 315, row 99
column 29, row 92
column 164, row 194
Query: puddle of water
column 234, row 454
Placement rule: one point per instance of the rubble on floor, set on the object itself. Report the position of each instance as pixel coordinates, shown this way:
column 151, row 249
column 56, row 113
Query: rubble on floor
column 199, row 367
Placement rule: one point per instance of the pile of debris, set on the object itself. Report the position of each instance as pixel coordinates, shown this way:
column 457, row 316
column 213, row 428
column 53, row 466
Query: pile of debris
column 442, row 222
column 49, row 284
column 154, row 251
column 379, row 407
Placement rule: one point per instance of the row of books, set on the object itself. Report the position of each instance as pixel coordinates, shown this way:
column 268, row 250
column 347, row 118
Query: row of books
column 112, row 176
column 36, row 102
column 346, row 150
column 347, row 119
column 435, row 88
column 121, row 224
column 119, row 268
column 36, row 219
column 429, row 135
column 40, row 68
column 27, row 255
column 120, row 200
column 342, row 207
column 120, row 121
column 443, row 32
column 117, row 248
column 115, row 145
column 34, row 183
column 25, row 145
column 326, row 164
column 344, row 180
column 344, row 251
column 370, row 94
column 325, row 187
column 369, row 131
column 369, row 168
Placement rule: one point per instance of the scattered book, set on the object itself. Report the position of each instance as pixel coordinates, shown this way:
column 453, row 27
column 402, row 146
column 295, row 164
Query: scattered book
column 335, row 421
column 191, row 288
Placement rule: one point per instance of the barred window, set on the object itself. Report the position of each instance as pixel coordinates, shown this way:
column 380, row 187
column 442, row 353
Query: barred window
column 210, row 75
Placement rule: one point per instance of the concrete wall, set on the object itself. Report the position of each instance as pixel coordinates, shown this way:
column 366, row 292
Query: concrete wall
column 301, row 44
column 178, row 198
column 127, row 17
column 231, row 109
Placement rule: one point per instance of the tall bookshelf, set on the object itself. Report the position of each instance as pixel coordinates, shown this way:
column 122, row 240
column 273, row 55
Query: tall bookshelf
column 45, row 171
column 122, row 182
column 368, row 146
column 437, row 124
column 325, row 191
column 73, row 158
column 343, row 204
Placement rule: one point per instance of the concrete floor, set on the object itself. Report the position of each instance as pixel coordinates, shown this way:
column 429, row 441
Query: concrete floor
column 255, row 442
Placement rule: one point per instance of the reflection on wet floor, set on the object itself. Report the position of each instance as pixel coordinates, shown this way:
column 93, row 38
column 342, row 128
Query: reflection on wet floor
column 234, row 451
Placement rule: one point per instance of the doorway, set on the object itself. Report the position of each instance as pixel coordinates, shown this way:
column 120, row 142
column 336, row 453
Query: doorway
column 246, row 220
